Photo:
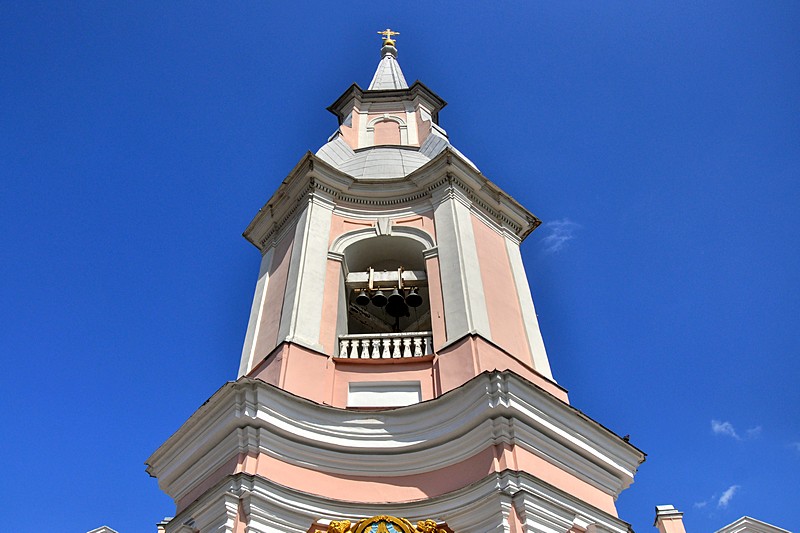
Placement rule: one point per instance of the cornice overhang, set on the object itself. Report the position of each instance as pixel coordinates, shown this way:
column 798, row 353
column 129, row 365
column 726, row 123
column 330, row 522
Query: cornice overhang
column 355, row 94
column 470, row 508
column 314, row 178
column 499, row 407
column 747, row 524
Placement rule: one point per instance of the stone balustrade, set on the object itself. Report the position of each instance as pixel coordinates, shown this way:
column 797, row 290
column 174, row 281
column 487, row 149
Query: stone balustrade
column 386, row 345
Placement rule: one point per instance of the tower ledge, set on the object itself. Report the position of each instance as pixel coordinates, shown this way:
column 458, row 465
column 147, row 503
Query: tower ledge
column 314, row 179
column 497, row 421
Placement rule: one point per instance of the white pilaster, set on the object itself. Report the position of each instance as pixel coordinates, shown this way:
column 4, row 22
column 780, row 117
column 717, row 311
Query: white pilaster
column 256, row 311
column 462, row 287
column 529, row 319
column 305, row 285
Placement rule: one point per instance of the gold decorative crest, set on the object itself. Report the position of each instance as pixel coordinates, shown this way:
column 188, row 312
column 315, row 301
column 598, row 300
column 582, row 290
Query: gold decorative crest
column 383, row 524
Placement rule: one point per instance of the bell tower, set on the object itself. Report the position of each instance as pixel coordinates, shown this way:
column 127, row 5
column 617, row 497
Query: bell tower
column 393, row 371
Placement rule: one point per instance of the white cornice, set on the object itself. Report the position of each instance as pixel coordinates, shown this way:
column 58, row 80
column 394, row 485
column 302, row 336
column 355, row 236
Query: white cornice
column 477, row 508
column 747, row 524
column 250, row 415
column 314, row 178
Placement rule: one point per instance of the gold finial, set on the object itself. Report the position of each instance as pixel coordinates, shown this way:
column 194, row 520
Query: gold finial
column 387, row 36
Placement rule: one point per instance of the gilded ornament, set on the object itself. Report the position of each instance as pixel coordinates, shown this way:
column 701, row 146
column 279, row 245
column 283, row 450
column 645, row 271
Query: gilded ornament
column 428, row 526
column 339, row 526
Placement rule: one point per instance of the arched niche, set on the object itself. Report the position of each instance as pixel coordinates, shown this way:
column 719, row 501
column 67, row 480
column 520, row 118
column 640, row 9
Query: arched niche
column 391, row 257
column 387, row 129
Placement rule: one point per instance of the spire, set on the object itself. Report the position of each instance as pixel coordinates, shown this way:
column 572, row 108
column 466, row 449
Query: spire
column 388, row 75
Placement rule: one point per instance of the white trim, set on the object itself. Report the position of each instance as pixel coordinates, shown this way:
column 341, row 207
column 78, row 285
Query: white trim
column 394, row 196
column 747, row 524
column 483, row 507
column 383, row 393
column 302, row 313
column 499, row 407
column 459, row 267
column 387, row 117
column 256, row 311
column 538, row 354
column 349, row 238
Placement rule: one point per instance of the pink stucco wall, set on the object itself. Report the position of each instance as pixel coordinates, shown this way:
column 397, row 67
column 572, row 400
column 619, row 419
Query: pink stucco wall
column 461, row 361
column 267, row 336
column 396, row 489
column 500, row 292
column 423, row 127
column 387, row 132
column 393, row 370
column 670, row 525
column 330, row 307
column 341, row 225
column 436, row 302
column 350, row 134
column 423, row 221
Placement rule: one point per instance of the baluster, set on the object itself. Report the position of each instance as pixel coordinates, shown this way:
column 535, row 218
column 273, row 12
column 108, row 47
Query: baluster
column 365, row 349
column 428, row 345
column 417, row 346
column 396, row 348
column 353, row 349
column 376, row 348
column 343, row 347
column 386, row 352
column 406, row 347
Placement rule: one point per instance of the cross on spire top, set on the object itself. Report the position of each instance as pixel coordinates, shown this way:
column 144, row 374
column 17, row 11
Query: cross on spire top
column 387, row 35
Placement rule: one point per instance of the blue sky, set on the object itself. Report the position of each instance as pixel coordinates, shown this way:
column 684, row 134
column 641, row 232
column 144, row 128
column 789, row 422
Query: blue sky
column 658, row 141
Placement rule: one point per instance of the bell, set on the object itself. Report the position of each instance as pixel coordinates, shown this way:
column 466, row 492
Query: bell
column 396, row 305
column 413, row 299
column 362, row 299
column 379, row 299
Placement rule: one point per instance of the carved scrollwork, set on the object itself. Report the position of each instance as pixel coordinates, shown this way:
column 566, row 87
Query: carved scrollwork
column 339, row 526
column 429, row 526
column 383, row 524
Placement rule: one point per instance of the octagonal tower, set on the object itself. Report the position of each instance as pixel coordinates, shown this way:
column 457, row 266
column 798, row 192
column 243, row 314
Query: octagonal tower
column 393, row 364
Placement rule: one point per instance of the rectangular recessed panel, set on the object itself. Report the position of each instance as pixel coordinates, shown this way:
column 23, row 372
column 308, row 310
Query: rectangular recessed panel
column 383, row 393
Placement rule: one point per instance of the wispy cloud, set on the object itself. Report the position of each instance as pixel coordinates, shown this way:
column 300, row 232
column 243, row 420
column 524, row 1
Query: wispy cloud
column 795, row 445
column 727, row 496
column 724, row 428
column 700, row 505
column 753, row 433
column 557, row 233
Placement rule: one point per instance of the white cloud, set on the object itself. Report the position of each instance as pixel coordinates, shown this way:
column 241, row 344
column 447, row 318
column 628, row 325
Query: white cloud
column 796, row 445
column 724, row 428
column 557, row 233
column 754, row 433
column 727, row 496
column 700, row 505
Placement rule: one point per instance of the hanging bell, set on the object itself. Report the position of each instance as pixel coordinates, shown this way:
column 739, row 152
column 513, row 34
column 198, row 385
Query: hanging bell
column 362, row 299
column 413, row 299
column 396, row 305
column 379, row 299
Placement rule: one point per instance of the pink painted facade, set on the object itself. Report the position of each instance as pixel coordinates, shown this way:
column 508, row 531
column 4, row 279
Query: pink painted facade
column 398, row 489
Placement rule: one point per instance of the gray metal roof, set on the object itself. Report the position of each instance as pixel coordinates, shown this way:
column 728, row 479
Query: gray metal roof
column 388, row 75
column 383, row 162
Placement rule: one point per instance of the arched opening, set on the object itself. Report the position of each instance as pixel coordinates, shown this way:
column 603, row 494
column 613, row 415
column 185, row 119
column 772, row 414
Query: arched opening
column 386, row 287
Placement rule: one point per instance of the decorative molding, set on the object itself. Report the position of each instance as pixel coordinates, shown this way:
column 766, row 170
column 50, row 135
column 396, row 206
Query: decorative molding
column 349, row 238
column 481, row 507
column 313, row 177
column 252, row 416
